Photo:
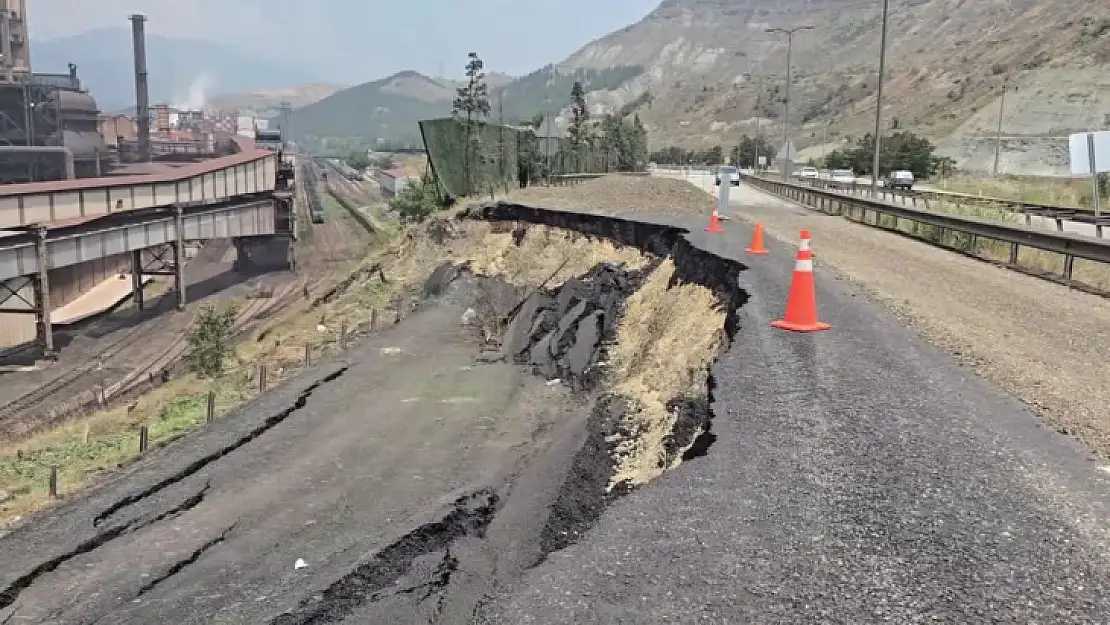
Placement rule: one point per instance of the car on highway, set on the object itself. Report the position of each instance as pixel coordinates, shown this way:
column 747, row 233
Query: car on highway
column 900, row 179
column 808, row 173
column 727, row 172
column 842, row 179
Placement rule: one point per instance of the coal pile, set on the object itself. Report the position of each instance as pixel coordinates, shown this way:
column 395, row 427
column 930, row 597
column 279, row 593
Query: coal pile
column 561, row 333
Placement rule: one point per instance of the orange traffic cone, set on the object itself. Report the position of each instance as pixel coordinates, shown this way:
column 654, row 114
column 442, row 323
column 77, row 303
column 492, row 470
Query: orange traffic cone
column 714, row 223
column 801, row 303
column 757, row 241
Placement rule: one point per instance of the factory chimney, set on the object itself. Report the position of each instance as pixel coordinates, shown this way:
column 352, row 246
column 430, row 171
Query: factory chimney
column 142, row 93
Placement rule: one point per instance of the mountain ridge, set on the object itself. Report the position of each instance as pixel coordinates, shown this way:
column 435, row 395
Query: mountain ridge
column 105, row 64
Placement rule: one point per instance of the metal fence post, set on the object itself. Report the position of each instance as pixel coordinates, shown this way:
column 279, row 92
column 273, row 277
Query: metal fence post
column 210, row 412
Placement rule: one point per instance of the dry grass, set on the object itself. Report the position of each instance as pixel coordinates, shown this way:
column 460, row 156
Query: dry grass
column 545, row 252
column 1055, row 191
column 665, row 344
column 620, row 195
column 83, row 450
column 1087, row 272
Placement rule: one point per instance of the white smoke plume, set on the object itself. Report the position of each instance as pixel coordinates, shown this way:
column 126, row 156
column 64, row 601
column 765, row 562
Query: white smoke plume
column 197, row 95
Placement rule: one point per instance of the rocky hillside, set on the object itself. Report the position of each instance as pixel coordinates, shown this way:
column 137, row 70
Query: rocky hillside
column 712, row 69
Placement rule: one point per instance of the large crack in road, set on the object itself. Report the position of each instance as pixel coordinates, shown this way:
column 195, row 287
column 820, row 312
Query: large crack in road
column 370, row 582
column 10, row 594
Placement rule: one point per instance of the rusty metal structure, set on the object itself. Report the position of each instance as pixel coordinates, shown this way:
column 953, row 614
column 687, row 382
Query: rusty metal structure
column 48, row 124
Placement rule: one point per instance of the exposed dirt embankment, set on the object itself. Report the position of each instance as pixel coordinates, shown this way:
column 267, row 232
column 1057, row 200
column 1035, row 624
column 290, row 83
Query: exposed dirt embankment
column 639, row 341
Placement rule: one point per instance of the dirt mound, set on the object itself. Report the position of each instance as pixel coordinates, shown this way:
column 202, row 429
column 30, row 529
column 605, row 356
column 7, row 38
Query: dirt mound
column 619, row 194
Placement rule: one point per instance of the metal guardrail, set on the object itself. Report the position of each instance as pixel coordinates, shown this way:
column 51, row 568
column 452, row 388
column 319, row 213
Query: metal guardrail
column 1058, row 214
column 1070, row 246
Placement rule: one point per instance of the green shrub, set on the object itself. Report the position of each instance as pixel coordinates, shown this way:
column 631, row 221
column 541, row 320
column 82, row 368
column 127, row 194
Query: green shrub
column 209, row 341
column 417, row 199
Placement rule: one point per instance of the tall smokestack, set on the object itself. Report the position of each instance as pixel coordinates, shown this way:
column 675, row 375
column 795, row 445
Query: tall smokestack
column 142, row 94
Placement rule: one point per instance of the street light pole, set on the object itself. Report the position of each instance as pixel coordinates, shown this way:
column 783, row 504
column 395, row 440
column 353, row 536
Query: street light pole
column 789, row 32
column 879, row 104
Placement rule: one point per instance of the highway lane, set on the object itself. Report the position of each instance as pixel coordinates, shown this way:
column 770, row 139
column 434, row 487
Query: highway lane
column 860, row 475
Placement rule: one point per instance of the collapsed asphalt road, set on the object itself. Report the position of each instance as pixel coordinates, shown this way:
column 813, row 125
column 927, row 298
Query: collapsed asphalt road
column 407, row 482
column 859, row 476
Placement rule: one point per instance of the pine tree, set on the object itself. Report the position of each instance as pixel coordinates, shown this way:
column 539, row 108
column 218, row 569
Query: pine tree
column 472, row 106
column 579, row 129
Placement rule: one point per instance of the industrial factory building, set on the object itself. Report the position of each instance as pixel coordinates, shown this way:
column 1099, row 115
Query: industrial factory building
column 51, row 130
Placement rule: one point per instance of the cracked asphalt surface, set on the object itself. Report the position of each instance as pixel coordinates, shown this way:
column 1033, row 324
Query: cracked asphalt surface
column 860, row 475
column 400, row 455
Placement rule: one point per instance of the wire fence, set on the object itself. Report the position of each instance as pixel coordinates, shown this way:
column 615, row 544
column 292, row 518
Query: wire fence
column 497, row 156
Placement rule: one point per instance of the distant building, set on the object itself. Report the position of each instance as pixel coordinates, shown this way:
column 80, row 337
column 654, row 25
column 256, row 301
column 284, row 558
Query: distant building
column 548, row 143
column 392, row 181
column 115, row 128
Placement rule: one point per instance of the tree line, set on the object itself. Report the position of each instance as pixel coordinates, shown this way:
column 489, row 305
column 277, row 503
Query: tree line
column 900, row 150
column 744, row 153
column 610, row 143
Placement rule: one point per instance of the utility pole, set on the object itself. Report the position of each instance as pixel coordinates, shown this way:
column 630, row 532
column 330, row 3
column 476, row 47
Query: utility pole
column 879, row 104
column 501, row 136
column 998, row 130
column 758, row 114
column 789, row 32
column 825, row 146
column 548, row 140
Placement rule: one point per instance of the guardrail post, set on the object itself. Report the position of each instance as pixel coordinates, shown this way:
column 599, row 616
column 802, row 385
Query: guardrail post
column 210, row 409
column 1013, row 253
column 52, row 481
column 144, row 438
column 373, row 319
column 308, row 354
column 262, row 378
column 1069, row 266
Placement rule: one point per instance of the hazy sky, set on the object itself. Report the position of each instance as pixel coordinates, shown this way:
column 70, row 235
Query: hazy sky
column 351, row 41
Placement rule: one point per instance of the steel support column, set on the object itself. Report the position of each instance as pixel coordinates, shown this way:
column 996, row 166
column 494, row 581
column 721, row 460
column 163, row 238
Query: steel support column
column 43, row 328
column 137, row 279
column 179, row 255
